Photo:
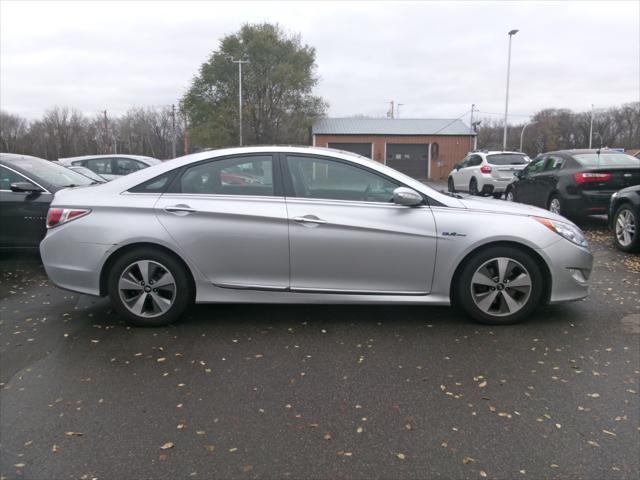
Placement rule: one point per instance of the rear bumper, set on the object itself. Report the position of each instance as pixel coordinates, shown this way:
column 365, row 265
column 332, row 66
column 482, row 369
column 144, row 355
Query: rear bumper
column 73, row 265
column 491, row 185
column 570, row 267
column 588, row 203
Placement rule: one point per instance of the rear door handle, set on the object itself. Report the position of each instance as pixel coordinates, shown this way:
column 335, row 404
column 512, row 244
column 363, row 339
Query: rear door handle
column 309, row 219
column 180, row 209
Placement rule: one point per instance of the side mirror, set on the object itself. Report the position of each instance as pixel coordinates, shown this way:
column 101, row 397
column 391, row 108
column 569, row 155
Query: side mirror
column 457, row 166
column 407, row 197
column 25, row 187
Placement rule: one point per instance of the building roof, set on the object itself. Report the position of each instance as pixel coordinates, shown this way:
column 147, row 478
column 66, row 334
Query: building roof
column 390, row 126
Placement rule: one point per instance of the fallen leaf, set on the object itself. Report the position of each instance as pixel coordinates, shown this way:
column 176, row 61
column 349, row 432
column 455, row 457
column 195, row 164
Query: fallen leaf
column 609, row 433
column 166, row 446
column 55, row 448
column 210, row 448
column 401, row 456
column 467, row 460
column 73, row 434
column 233, row 450
column 327, row 436
column 161, row 359
column 483, row 473
column 482, row 384
column 592, row 443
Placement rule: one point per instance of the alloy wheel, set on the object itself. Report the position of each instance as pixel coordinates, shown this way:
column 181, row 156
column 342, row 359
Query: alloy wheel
column 625, row 227
column 147, row 288
column 501, row 286
column 509, row 196
column 554, row 205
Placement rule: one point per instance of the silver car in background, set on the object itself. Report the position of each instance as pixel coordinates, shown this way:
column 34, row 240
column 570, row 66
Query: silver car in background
column 305, row 225
column 111, row 166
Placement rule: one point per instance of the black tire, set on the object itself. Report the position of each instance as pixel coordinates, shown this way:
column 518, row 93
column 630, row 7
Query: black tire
column 555, row 199
column 181, row 298
column 497, row 195
column 451, row 186
column 473, row 187
column 634, row 245
column 462, row 293
column 509, row 196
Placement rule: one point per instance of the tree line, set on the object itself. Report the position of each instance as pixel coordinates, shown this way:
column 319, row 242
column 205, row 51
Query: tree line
column 67, row 132
column 558, row 129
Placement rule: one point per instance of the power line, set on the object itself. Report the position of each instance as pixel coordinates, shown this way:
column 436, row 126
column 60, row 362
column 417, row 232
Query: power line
column 452, row 122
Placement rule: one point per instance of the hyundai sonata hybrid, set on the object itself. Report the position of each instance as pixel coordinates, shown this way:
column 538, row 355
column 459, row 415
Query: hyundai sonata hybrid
column 314, row 225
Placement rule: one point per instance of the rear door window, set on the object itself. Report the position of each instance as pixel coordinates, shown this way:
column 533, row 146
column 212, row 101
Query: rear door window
column 7, row 177
column 100, row 166
column 125, row 166
column 247, row 175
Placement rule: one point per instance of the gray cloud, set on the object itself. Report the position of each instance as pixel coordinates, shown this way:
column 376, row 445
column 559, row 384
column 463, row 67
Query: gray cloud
column 435, row 58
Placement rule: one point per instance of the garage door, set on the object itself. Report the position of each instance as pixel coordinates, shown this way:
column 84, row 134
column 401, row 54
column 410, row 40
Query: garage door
column 410, row 159
column 363, row 149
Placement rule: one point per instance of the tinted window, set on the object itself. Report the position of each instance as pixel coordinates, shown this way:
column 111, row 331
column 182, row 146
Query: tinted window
column 536, row 166
column 125, row 166
column 7, row 177
column 251, row 175
column 554, row 163
column 52, row 173
column 506, row 159
column 100, row 165
column 607, row 160
column 156, row 185
column 328, row 179
column 475, row 160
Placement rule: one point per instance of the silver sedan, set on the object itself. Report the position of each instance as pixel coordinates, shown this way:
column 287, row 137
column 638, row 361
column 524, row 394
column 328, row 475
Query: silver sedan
column 305, row 225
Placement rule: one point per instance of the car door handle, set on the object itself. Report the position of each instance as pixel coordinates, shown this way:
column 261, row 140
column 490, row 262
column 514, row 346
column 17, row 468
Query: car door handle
column 180, row 209
column 309, row 219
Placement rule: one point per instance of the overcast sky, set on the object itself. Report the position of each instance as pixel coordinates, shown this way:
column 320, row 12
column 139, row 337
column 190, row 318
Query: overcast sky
column 435, row 58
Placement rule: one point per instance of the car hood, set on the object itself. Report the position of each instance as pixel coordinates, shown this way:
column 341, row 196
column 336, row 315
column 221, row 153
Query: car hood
column 484, row 204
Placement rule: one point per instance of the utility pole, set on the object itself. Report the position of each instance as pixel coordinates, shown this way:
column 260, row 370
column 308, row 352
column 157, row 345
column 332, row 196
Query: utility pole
column 106, row 132
column 186, row 135
column 392, row 110
column 173, row 131
column 240, row 62
column 522, row 133
column 473, row 107
column 398, row 109
column 506, row 103
column 591, row 127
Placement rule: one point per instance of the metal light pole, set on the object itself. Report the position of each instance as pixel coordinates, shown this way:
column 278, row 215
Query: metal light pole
column 506, row 103
column 591, row 127
column 240, row 62
column 522, row 133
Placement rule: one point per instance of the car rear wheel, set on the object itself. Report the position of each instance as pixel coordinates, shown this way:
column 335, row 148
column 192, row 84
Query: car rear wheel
column 625, row 225
column 555, row 206
column 450, row 185
column 473, row 187
column 499, row 286
column 149, row 288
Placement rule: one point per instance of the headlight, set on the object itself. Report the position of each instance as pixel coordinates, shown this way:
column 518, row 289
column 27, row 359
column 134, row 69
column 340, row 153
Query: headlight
column 566, row 230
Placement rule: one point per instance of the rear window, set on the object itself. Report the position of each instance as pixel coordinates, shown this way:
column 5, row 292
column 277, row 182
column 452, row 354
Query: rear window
column 507, row 159
column 607, row 160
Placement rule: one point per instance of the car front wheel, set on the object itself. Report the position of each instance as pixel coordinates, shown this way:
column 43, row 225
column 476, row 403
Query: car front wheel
column 554, row 205
column 473, row 187
column 149, row 287
column 625, row 225
column 509, row 197
column 499, row 286
column 451, row 186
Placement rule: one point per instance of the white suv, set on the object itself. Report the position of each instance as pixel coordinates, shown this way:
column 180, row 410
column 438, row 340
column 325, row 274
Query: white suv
column 486, row 173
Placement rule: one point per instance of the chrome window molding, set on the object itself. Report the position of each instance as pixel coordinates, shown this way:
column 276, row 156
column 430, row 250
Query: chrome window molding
column 26, row 178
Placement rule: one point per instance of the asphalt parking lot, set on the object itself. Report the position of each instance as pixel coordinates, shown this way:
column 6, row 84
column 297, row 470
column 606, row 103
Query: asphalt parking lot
column 262, row 391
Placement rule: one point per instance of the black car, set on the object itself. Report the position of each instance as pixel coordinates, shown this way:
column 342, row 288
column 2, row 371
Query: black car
column 575, row 183
column 27, row 185
column 624, row 215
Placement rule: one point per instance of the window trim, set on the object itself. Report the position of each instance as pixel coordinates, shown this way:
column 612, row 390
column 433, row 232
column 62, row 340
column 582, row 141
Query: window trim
column 175, row 186
column 290, row 191
column 44, row 190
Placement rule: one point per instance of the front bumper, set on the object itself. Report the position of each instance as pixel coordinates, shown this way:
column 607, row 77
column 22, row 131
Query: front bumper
column 570, row 267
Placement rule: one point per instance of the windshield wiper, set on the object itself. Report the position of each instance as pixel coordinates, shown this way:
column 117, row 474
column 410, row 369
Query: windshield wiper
column 451, row 194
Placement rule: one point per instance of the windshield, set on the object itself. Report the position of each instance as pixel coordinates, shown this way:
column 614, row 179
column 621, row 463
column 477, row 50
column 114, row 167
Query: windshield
column 608, row 159
column 507, row 159
column 53, row 174
column 88, row 173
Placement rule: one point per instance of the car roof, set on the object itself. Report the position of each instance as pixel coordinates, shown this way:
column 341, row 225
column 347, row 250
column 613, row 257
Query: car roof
column 142, row 158
column 496, row 152
column 582, row 151
column 124, row 183
column 15, row 158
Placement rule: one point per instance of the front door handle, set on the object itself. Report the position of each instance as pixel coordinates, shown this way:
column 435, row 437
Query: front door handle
column 180, row 209
column 309, row 219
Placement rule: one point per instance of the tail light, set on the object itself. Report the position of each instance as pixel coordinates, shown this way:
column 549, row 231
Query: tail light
column 58, row 216
column 589, row 177
column 485, row 169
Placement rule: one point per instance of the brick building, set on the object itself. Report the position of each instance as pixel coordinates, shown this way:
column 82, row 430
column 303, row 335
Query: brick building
column 421, row 148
